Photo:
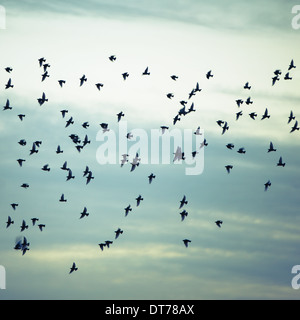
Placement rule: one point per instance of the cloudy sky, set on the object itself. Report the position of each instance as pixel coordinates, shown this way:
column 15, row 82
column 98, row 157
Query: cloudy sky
column 252, row 254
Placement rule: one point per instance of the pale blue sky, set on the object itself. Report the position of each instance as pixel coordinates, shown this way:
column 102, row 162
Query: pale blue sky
column 252, row 254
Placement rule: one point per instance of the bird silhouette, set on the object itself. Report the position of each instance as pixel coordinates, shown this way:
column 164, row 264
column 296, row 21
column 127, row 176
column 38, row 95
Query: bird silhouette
column 151, row 177
column 73, row 268
column 253, row 115
column 84, row 213
column 238, row 114
column 274, row 79
column 41, row 226
column 14, row 205
column 170, row 95
column 127, row 210
column 183, row 214
column 120, row 115
column 287, row 76
column 179, row 155
column 174, row 77
column 219, row 223
column 186, row 242
column 209, row 74
column 8, row 84
column 63, row 112
column 9, row 222
column 21, row 116
column 280, row 163
column 118, row 232
column 241, row 150
column 265, row 115
column 230, row 146
column 46, row 167
column 62, row 198
column 58, row 150
column 64, row 166
column 7, row 105
column 70, row 175
column 246, row 86
column 225, row 127
column 267, row 185
column 61, row 82
column 25, row 185
column 146, row 72
column 239, row 102
column 228, row 168
column 125, row 75
column 23, row 226
column 69, row 122
column 295, row 127
column 291, row 66
column 249, row 101
column 43, row 99
column 41, row 61
column 183, row 202
column 291, row 117
column 112, row 58
column 83, row 79
column 8, row 69
column 271, row 148
column 20, row 161
column 99, row 85
column 45, row 75
column 138, row 200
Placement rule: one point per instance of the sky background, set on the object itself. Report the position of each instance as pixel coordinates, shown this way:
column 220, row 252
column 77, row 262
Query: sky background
column 252, row 254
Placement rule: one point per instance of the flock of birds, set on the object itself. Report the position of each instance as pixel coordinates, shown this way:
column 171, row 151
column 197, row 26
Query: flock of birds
column 22, row 243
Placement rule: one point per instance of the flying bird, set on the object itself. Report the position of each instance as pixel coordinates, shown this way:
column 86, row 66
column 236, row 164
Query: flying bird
column 274, row 79
column 14, row 205
column 41, row 226
column 170, row 95
column 230, row 146
column 249, row 101
column 219, row 223
column 228, row 168
column 198, row 132
column 8, row 69
column 120, row 115
column 89, row 177
column 253, row 115
column 183, row 214
column 82, row 80
column 68, row 122
column 295, row 127
column 45, row 75
column 246, row 86
column 41, row 61
column 238, row 114
column 61, row 82
column 225, row 127
column 63, row 112
column 58, row 150
column 43, row 99
column 186, row 242
column 34, row 220
column 46, row 167
column 291, row 117
column 127, row 210
column 265, row 115
column 85, row 125
column 73, row 268
column 118, row 232
column 179, row 155
column 241, row 150
column 163, row 129
column 112, row 58
column 267, row 185
column 84, row 213
column 271, row 148
column 64, row 166
column 151, row 177
column 174, row 77
column 291, row 66
column 239, row 102
column 62, row 198
column 138, row 200
column 280, row 163
column 99, row 85
column 125, row 75
column 175, row 119
column 8, row 84
column 209, row 74
column 20, row 161
column 146, row 72
column 21, row 116
column 70, row 175
column 183, row 202
column 287, row 76
column 25, row 185
column 104, row 126
column 7, row 105
column 9, row 222
column 124, row 159
column 23, row 226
